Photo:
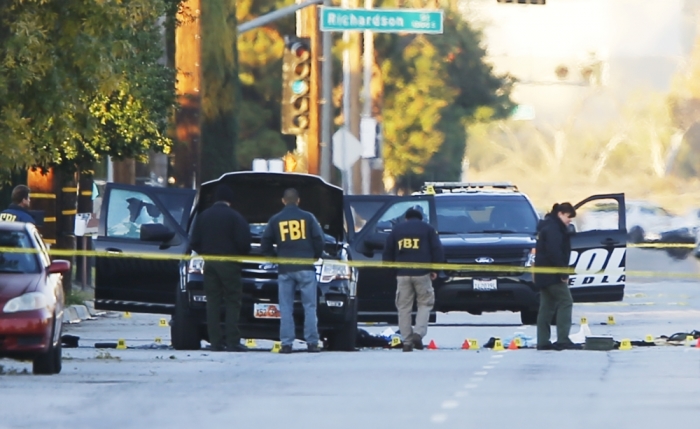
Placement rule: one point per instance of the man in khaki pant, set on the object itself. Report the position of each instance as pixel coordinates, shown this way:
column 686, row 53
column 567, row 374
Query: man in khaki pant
column 414, row 241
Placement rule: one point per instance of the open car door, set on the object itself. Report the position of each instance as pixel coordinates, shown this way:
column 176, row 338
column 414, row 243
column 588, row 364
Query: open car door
column 376, row 289
column 135, row 220
column 598, row 249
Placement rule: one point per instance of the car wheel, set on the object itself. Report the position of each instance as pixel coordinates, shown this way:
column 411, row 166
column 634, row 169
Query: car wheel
column 528, row 317
column 636, row 235
column 185, row 328
column 50, row 362
column 343, row 339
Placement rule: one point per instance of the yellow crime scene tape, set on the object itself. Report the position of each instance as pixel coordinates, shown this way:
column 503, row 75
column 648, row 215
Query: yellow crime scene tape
column 481, row 268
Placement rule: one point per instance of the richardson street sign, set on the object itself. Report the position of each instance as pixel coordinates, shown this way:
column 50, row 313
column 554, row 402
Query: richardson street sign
column 382, row 20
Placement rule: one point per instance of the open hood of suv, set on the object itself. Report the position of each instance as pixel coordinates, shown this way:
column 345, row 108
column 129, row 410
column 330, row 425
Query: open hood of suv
column 259, row 197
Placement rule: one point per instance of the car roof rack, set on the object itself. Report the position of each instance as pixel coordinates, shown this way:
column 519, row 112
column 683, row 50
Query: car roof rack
column 447, row 187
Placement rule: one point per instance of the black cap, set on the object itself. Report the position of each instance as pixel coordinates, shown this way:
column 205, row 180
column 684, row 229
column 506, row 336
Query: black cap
column 413, row 213
column 224, row 193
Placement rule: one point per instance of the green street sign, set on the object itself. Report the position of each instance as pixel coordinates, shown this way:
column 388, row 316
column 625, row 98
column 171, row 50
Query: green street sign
column 382, row 20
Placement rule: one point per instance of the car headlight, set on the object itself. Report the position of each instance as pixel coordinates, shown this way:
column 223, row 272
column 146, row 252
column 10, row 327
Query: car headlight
column 530, row 261
column 334, row 270
column 196, row 265
column 28, row 301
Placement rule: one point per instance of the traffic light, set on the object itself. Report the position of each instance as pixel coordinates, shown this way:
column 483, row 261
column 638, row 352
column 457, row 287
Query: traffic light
column 296, row 74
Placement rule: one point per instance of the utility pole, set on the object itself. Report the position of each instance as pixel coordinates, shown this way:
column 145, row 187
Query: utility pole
column 188, row 60
column 351, row 97
column 326, row 103
column 368, row 57
column 307, row 26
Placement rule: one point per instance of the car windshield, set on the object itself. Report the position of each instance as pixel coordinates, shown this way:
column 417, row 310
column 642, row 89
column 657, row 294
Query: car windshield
column 474, row 215
column 17, row 261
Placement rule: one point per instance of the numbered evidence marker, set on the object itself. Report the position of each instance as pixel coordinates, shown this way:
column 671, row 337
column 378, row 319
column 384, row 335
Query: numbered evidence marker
column 625, row 344
column 518, row 342
column 163, row 323
column 584, row 321
column 498, row 345
column 121, row 344
column 127, row 315
column 649, row 339
column 250, row 343
column 611, row 320
column 159, row 340
column 276, row 347
column 473, row 344
column 395, row 341
column 689, row 340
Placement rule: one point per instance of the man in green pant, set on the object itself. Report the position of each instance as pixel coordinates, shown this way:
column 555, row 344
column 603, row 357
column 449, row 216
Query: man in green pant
column 553, row 251
column 222, row 231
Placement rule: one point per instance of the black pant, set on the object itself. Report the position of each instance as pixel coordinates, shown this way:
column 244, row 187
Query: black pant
column 222, row 285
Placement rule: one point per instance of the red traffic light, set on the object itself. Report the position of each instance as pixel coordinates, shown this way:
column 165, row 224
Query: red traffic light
column 300, row 50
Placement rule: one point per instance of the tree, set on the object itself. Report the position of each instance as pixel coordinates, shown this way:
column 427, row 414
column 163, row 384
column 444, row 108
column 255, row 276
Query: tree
column 79, row 80
column 260, row 55
column 434, row 87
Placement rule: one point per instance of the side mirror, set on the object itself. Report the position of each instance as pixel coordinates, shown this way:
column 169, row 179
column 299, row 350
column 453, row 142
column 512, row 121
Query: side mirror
column 59, row 266
column 375, row 242
column 156, row 232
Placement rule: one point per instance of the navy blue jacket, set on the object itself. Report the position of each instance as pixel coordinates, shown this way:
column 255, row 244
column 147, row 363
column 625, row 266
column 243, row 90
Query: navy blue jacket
column 553, row 250
column 15, row 213
column 297, row 234
column 413, row 241
column 221, row 230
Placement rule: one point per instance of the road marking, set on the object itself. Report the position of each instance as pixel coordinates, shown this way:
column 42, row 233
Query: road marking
column 481, row 373
column 521, row 328
column 439, row 418
column 470, row 386
column 448, row 405
column 497, row 357
column 476, row 379
column 490, row 366
column 461, row 394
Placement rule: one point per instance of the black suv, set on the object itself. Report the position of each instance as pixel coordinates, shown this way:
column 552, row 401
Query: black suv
column 483, row 224
column 144, row 219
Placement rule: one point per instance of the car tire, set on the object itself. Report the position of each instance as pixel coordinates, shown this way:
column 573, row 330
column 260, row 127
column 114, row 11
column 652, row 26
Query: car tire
column 343, row 339
column 184, row 331
column 529, row 317
column 49, row 363
column 636, row 235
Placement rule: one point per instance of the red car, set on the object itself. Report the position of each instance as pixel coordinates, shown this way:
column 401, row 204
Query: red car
column 31, row 298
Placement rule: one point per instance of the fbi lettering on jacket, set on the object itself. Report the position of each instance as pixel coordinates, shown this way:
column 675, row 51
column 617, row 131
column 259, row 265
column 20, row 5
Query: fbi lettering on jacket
column 409, row 243
column 292, row 230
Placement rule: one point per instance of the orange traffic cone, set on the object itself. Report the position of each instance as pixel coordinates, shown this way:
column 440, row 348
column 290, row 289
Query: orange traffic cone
column 465, row 345
column 512, row 345
column 432, row 345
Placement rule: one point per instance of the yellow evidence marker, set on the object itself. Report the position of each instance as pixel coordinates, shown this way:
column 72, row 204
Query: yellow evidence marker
column 584, row 321
column 498, row 345
column 473, row 345
column 121, row 344
column 518, row 341
column 250, row 342
column 276, row 347
column 611, row 320
column 625, row 344
column 163, row 323
column 127, row 315
column 649, row 339
column 159, row 340
column 395, row 340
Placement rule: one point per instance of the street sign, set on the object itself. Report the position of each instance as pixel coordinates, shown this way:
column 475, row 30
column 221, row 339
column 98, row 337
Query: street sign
column 346, row 149
column 382, row 20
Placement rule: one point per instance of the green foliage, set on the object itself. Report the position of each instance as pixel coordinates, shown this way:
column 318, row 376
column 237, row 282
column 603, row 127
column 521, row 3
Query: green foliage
column 260, row 56
column 434, row 87
column 80, row 80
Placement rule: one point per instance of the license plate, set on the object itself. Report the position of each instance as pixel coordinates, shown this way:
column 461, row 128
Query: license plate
column 266, row 311
column 485, row 285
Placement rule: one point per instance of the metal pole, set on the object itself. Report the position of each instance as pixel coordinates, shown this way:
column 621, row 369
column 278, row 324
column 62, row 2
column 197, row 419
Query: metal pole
column 367, row 107
column 327, row 103
column 347, row 174
column 274, row 16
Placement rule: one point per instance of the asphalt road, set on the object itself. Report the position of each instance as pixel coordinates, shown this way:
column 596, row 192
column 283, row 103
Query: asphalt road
column 447, row 387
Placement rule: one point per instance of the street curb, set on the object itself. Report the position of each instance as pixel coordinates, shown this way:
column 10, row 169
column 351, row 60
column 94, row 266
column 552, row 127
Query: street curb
column 82, row 311
column 70, row 315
